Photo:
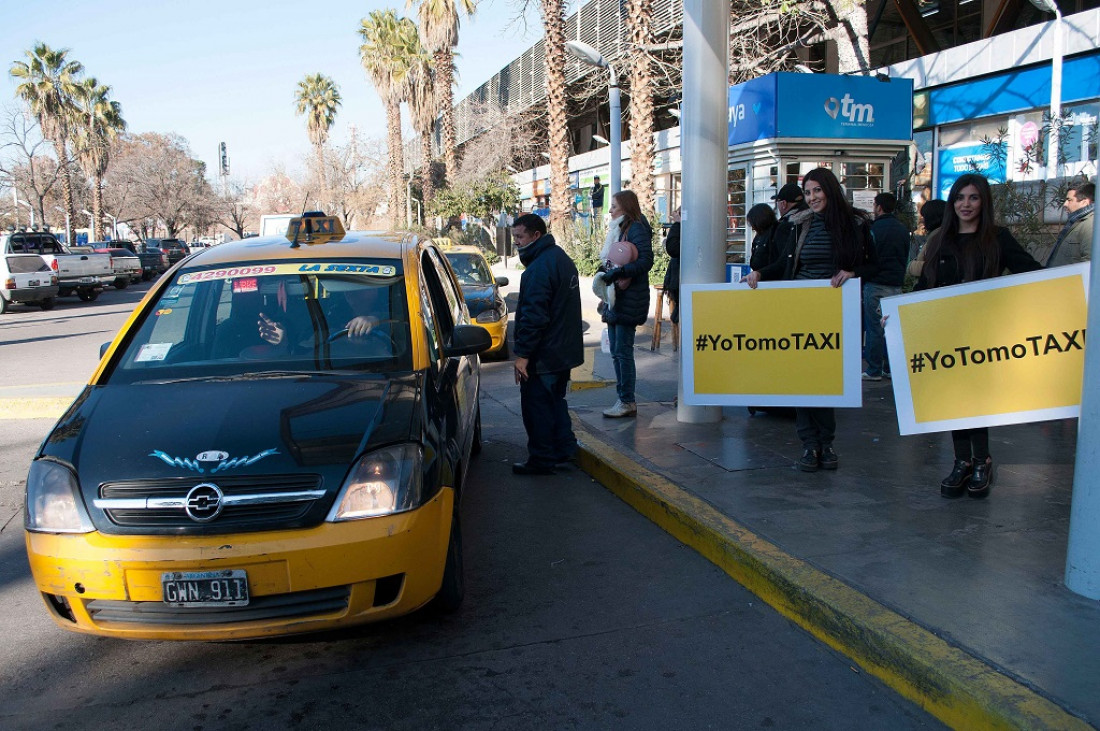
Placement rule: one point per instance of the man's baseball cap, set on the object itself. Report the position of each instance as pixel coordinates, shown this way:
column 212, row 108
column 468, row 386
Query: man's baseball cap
column 790, row 192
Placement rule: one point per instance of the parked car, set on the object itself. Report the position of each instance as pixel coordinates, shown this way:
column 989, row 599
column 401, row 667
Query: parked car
column 324, row 403
column 154, row 261
column 78, row 271
column 26, row 278
column 125, row 264
column 482, row 293
column 175, row 249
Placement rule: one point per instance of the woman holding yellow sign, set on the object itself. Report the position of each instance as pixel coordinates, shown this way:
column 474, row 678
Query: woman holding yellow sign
column 830, row 241
column 969, row 246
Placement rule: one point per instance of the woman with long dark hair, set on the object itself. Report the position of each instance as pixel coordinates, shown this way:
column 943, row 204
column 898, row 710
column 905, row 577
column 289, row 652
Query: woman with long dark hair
column 969, row 246
column 631, row 304
column 830, row 240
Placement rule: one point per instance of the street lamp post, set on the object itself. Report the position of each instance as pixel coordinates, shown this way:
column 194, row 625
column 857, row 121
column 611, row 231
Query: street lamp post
column 91, row 224
column 114, row 225
column 1053, row 149
column 68, row 226
column 18, row 202
column 588, row 54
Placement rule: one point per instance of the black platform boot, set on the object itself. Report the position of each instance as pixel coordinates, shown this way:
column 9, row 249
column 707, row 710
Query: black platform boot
column 980, row 479
column 954, row 484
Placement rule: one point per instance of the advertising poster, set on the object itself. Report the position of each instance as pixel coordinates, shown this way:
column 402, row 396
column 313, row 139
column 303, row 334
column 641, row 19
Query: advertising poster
column 783, row 344
column 1007, row 350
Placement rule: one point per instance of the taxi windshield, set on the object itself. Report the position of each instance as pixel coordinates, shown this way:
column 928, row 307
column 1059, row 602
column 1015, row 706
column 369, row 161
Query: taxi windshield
column 251, row 319
column 470, row 268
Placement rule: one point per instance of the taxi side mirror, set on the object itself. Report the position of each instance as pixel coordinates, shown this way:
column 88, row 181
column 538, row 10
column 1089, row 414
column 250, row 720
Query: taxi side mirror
column 103, row 349
column 502, row 281
column 468, row 340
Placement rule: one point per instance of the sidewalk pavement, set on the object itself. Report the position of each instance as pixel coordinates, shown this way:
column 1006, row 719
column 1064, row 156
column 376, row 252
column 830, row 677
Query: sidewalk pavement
column 957, row 604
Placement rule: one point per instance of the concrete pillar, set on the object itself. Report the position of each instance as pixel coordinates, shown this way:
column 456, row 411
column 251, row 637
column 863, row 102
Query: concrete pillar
column 704, row 122
column 1083, row 553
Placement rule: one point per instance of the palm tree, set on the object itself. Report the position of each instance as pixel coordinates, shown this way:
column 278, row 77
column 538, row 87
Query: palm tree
column 553, row 21
column 317, row 98
column 100, row 124
column 389, row 46
column 48, row 84
column 422, row 110
column 439, row 31
column 639, row 25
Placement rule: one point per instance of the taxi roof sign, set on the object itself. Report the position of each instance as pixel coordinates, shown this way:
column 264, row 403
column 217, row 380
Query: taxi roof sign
column 314, row 228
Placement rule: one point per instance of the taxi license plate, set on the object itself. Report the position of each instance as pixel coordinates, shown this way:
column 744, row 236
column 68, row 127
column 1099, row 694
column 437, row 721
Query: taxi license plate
column 228, row 588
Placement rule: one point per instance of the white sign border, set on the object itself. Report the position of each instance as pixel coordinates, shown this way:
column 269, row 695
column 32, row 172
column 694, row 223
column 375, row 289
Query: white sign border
column 899, row 366
column 852, row 396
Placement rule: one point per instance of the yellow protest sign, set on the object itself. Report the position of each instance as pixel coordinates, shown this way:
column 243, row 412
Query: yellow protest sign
column 783, row 344
column 1006, row 350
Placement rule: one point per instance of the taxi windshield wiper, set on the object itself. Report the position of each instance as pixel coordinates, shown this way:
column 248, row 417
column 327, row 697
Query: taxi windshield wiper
column 251, row 376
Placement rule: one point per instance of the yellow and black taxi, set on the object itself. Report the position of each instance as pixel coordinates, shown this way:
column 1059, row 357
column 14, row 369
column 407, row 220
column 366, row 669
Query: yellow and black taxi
column 481, row 291
column 310, row 407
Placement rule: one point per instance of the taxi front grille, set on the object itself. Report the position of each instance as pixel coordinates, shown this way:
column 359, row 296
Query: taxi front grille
column 279, row 606
column 263, row 502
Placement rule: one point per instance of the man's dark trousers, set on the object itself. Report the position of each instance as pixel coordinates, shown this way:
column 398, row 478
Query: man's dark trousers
column 550, row 438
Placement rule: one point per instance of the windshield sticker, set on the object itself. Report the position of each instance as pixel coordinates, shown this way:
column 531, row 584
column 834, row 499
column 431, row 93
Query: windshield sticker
column 174, row 293
column 209, row 456
column 164, row 311
column 153, row 352
column 236, row 273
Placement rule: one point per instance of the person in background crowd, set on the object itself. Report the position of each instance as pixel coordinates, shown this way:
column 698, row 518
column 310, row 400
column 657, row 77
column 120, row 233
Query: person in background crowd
column 892, row 249
column 672, row 273
column 761, row 218
column 631, row 307
column 970, row 246
column 596, row 197
column 1074, row 244
column 931, row 216
column 548, row 345
column 832, row 242
column 789, row 202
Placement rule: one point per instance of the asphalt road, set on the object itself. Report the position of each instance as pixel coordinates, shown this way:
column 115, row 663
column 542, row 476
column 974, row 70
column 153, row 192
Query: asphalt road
column 579, row 613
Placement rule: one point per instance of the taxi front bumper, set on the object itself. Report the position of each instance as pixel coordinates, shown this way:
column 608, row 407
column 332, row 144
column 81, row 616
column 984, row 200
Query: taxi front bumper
column 498, row 331
column 331, row 576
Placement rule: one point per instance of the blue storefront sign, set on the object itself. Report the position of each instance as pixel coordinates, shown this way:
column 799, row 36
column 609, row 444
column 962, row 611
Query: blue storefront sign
column 957, row 161
column 820, row 106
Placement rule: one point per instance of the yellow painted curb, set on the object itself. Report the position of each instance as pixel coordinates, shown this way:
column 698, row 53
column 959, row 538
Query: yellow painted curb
column 946, row 681
column 584, row 375
column 34, row 408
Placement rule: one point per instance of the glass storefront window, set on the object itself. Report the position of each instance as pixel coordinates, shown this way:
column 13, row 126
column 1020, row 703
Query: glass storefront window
column 735, row 214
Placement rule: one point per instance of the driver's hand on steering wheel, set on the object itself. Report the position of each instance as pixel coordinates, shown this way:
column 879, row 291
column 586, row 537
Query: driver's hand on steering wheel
column 271, row 331
column 359, row 327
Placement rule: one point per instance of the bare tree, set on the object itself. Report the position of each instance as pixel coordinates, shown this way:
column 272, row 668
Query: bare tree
column 165, row 184
column 25, row 165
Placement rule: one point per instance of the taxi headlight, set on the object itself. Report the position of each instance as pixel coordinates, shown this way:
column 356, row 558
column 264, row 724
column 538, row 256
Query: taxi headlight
column 382, row 482
column 53, row 505
column 492, row 315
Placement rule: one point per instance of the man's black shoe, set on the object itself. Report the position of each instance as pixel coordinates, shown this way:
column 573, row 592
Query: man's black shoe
column 829, row 460
column 530, row 468
column 810, row 460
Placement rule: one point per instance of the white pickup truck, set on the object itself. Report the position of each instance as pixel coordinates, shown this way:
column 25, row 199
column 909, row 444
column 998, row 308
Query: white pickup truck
column 83, row 273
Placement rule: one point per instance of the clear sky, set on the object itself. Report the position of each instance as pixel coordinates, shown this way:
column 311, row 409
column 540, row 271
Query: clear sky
column 227, row 71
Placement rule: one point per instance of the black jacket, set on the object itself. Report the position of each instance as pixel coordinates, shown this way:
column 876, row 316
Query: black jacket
column 949, row 269
column 787, row 265
column 548, row 329
column 672, row 248
column 892, row 245
column 632, row 304
column 765, row 248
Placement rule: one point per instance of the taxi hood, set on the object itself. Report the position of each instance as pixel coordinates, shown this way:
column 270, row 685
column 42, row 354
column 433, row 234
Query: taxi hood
column 275, row 425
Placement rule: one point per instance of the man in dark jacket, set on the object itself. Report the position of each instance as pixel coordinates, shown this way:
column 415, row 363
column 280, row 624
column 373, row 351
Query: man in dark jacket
column 789, row 201
column 892, row 246
column 548, row 343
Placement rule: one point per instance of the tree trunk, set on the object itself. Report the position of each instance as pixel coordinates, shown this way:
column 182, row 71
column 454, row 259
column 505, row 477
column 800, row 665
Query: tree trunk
column 444, row 99
column 427, row 189
column 97, row 206
column 639, row 15
column 66, row 179
column 553, row 19
column 397, row 162
column 850, row 35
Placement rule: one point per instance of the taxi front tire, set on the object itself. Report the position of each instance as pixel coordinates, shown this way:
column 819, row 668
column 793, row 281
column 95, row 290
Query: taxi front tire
column 453, row 589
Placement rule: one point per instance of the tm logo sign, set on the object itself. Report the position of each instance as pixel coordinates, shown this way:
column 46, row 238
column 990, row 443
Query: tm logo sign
column 846, row 107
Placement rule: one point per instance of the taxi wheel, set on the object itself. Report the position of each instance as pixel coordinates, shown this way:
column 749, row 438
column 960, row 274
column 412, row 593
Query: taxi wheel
column 475, row 447
column 450, row 595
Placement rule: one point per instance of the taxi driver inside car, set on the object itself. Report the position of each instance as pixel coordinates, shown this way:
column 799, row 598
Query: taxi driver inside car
column 381, row 481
